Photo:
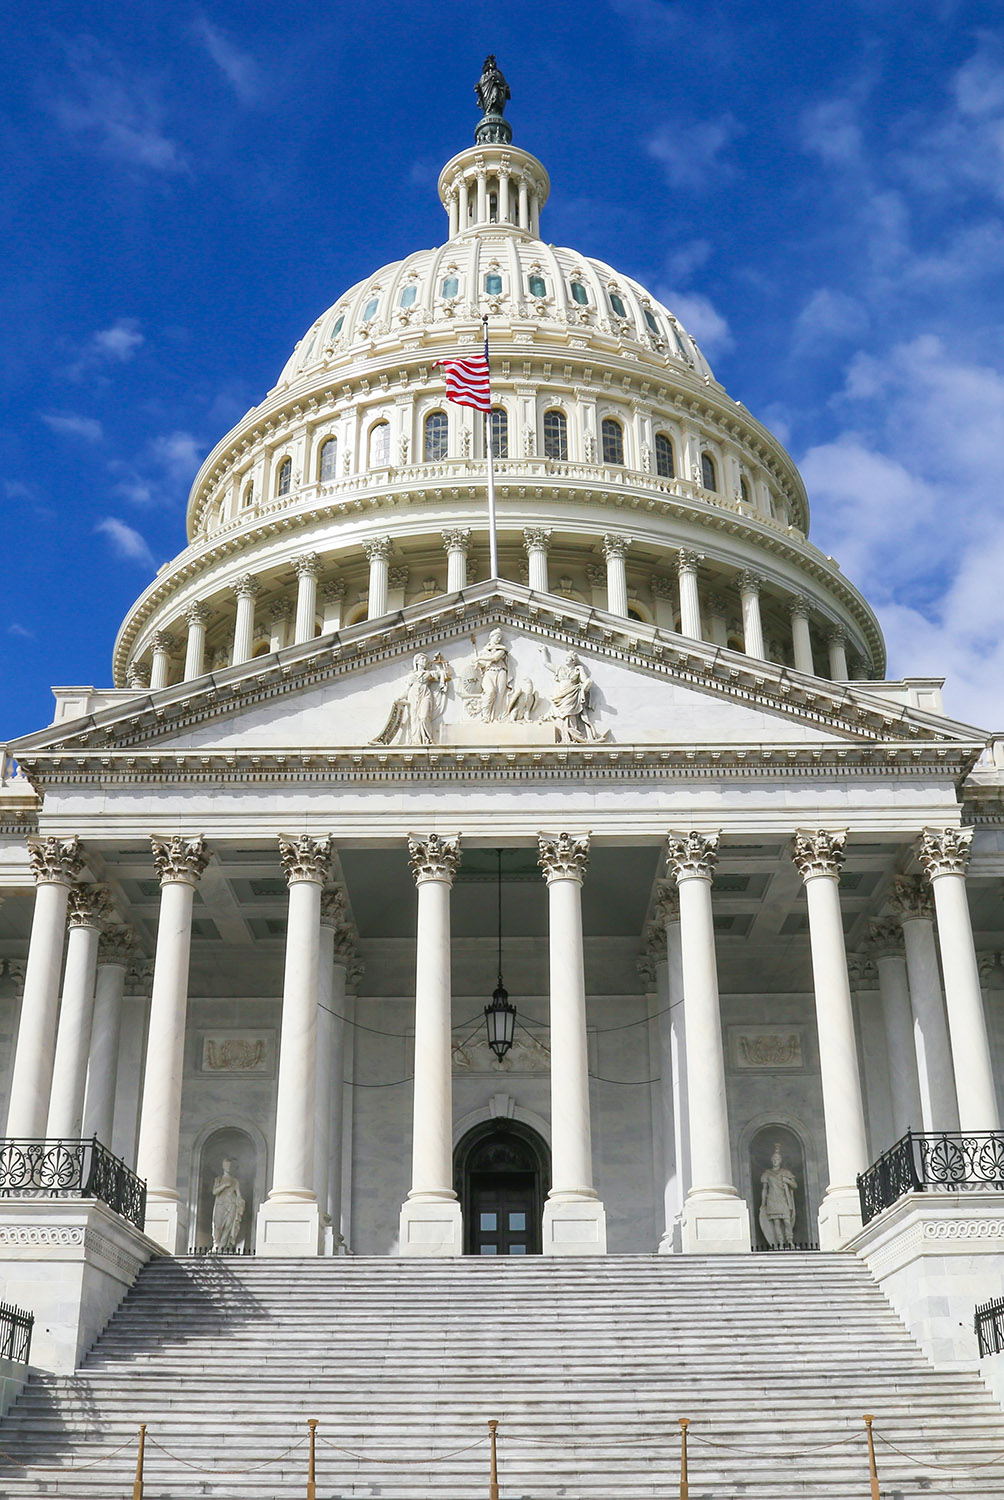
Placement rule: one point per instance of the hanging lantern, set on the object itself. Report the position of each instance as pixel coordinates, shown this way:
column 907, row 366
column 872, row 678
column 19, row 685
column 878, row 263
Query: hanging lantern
column 500, row 1014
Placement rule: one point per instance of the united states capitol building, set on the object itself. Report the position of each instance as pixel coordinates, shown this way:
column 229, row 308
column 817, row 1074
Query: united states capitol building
column 738, row 891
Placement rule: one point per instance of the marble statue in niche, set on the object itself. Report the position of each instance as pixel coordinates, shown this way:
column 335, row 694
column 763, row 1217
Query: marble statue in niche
column 487, row 690
column 571, row 701
column 777, row 1203
column 228, row 1210
column 415, row 713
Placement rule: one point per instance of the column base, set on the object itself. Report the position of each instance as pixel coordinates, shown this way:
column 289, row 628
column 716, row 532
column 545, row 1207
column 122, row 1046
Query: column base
column 576, row 1226
column 717, row 1224
column 165, row 1223
column 431, row 1226
column 288, row 1228
column 839, row 1218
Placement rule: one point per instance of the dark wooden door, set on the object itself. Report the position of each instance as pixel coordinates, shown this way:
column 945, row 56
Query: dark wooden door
column 503, row 1214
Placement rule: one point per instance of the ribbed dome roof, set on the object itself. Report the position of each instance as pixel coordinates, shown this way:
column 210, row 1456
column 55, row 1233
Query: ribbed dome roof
column 506, row 275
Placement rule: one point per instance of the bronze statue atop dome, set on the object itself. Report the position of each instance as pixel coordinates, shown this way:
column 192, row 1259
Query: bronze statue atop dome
column 493, row 94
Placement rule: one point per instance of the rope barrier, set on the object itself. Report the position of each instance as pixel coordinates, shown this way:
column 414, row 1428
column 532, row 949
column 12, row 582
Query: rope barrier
column 923, row 1463
column 437, row 1459
column 854, row 1437
column 66, row 1468
column 201, row 1469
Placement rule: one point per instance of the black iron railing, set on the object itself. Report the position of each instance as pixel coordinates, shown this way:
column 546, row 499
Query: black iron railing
column 989, row 1325
column 15, row 1333
column 71, row 1169
column 936, row 1161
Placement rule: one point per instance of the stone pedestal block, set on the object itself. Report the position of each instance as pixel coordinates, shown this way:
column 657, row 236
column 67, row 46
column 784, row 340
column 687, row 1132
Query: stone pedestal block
column 839, row 1218
column 935, row 1256
column 431, row 1228
column 166, row 1223
column 288, row 1228
column 70, row 1263
column 715, row 1225
column 576, row 1227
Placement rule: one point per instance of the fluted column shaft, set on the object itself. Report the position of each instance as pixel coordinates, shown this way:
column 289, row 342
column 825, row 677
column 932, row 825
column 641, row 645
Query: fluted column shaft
column 537, row 541
column 914, row 904
column 615, row 552
column 88, row 909
column 160, row 662
column 571, row 1151
column 897, row 1018
column 195, row 651
column 944, row 854
column 434, row 862
column 673, row 1067
column 102, row 1065
column 247, row 590
column 306, row 597
column 801, row 638
column 180, row 862
column 749, row 593
column 55, row 865
column 837, row 644
column 378, row 554
column 457, row 543
column 335, row 954
column 690, row 599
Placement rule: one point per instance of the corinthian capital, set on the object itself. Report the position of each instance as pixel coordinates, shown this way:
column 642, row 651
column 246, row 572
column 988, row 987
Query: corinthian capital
column 750, row 582
column 333, row 908
column 55, row 861
column 944, row 851
column 885, row 936
column 536, row 538
column 246, row 587
column 666, row 907
column 163, row 640
column 691, row 854
column 180, row 859
column 377, row 547
column 688, row 561
column 458, row 539
column 116, row 945
column 818, row 851
column 89, row 906
column 198, row 613
column 433, row 858
column 305, row 858
column 307, row 566
column 563, row 858
column 911, row 897
column 615, row 546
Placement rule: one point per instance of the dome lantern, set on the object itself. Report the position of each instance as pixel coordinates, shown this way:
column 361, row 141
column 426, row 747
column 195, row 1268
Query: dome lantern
column 493, row 183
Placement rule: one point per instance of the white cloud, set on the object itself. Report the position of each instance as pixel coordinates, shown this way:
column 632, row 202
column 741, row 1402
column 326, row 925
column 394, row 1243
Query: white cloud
column 120, row 341
column 683, row 260
column 831, row 130
column 111, row 111
column 21, row 631
column 179, row 454
column 691, row 154
column 701, row 319
column 71, row 424
column 829, row 317
column 125, row 541
column 136, row 490
column 239, row 68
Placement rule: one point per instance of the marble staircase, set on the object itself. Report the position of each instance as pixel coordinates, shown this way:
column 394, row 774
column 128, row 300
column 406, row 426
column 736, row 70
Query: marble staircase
column 586, row 1363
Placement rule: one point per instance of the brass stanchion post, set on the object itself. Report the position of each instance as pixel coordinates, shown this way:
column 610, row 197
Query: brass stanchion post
column 311, row 1464
column 137, row 1484
column 493, row 1481
column 684, row 1481
column 872, row 1470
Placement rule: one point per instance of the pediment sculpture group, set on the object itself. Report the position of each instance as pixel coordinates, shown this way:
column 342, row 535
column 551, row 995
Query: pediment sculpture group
column 491, row 693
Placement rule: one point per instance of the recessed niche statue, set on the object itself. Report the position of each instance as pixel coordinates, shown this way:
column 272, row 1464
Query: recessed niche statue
column 571, row 701
column 777, row 1203
column 228, row 1210
column 414, row 715
column 488, row 692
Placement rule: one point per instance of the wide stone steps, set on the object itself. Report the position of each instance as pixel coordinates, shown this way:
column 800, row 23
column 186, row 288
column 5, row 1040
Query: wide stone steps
column 586, row 1364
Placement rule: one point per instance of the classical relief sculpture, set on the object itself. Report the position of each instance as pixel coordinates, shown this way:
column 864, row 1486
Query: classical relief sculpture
column 570, row 701
column 414, row 715
column 228, row 1210
column 777, row 1203
column 488, row 692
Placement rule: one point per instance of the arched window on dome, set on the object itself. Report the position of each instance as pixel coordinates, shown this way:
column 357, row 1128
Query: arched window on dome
column 336, row 327
column 451, row 286
column 248, row 496
column 744, row 489
column 617, row 303
column 379, row 445
column 285, row 477
column 493, row 284
column 555, row 434
column 579, row 293
column 498, row 424
column 664, row 465
column 653, row 323
column 328, row 466
column 537, row 286
column 435, row 435
column 709, row 474
column 409, row 294
column 369, row 311
column 612, row 440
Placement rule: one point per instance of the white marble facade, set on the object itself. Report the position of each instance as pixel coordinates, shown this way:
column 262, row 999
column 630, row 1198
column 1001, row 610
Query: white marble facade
column 250, row 891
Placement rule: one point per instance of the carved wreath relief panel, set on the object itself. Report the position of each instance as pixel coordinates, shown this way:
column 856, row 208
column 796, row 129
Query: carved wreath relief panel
column 492, row 690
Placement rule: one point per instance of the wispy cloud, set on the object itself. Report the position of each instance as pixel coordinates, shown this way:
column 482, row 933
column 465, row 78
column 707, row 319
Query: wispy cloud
column 71, row 424
column 239, row 68
column 120, row 341
column 126, row 542
column 179, row 454
column 117, row 113
column 830, row 317
column 691, row 155
column 701, row 319
column 832, row 131
column 21, row 631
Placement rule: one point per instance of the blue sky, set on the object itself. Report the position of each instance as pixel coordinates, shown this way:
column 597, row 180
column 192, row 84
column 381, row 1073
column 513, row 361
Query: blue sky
column 817, row 191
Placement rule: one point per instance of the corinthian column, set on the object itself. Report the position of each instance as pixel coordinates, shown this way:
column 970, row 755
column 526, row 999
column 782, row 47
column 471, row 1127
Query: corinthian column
column 115, row 951
column 673, row 1057
column 819, row 853
column 196, row 617
column 615, row 551
column 913, row 904
column 801, row 638
column 89, row 909
column 55, row 864
column 537, row 542
column 715, row 1218
column 690, row 599
column 888, row 950
column 160, row 668
column 247, row 590
column 378, row 555
column 180, row 862
column 944, row 855
column 457, row 542
column 750, row 584
column 574, row 1218
column 307, row 568
column 337, row 955
column 430, row 1217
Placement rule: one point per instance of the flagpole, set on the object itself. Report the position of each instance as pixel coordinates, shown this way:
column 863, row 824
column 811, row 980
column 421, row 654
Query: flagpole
column 493, row 546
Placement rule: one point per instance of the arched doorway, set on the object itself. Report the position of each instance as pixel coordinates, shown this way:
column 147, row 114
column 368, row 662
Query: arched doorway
column 502, row 1173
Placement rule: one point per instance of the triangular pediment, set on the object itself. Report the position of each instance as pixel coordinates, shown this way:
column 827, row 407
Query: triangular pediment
column 433, row 676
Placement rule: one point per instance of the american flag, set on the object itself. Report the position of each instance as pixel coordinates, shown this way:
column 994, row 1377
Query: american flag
column 468, row 382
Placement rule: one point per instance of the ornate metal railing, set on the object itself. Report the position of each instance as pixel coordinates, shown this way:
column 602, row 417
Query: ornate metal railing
column 937, row 1161
column 71, row 1169
column 989, row 1325
column 15, row 1333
